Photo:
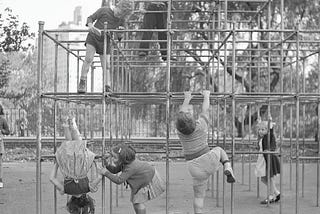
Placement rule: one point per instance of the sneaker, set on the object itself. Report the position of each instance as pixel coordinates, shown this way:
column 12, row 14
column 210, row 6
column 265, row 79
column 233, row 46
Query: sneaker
column 195, row 8
column 164, row 58
column 268, row 200
column 229, row 173
column 82, row 87
column 142, row 53
column 1, row 184
column 277, row 198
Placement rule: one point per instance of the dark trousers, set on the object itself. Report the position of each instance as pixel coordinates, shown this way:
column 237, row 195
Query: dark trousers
column 155, row 20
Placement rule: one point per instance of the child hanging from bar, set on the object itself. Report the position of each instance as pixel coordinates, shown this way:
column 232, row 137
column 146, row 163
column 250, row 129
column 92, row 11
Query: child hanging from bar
column 75, row 162
column 202, row 162
column 143, row 179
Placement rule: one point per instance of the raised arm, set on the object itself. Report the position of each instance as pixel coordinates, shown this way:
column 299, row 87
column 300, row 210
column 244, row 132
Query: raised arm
column 55, row 181
column 187, row 98
column 95, row 178
column 206, row 103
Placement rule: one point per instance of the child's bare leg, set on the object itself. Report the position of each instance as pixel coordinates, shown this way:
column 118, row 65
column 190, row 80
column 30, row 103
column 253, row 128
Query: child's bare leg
column 140, row 208
column 226, row 163
column 55, row 181
column 95, row 177
column 75, row 134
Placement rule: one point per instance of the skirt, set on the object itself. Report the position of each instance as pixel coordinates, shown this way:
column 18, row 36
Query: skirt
column 154, row 189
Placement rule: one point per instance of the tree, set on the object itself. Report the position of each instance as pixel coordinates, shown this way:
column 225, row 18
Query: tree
column 12, row 36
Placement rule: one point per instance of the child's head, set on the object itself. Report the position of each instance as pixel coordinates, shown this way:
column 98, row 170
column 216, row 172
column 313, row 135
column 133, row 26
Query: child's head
column 185, row 122
column 124, row 9
column 83, row 204
column 123, row 154
column 262, row 128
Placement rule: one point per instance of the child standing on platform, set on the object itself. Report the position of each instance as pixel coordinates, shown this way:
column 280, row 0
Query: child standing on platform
column 262, row 162
column 202, row 162
column 115, row 17
column 4, row 130
column 143, row 179
column 75, row 162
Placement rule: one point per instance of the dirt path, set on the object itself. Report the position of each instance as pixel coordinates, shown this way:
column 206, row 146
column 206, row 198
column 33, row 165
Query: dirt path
column 19, row 194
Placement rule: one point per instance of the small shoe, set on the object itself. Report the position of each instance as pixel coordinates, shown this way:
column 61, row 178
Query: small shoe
column 164, row 58
column 195, row 8
column 142, row 54
column 277, row 198
column 82, row 87
column 268, row 200
column 1, row 184
column 230, row 176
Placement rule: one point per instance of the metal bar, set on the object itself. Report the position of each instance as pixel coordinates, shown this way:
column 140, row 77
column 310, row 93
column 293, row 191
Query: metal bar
column 39, row 118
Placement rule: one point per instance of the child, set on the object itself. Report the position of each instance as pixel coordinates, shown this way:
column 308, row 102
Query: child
column 75, row 161
column 262, row 162
column 4, row 130
column 143, row 179
column 202, row 162
column 155, row 17
column 95, row 39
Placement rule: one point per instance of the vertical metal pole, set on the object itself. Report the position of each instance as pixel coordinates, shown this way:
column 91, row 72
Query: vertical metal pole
column 168, row 76
column 318, row 131
column 303, row 127
column 225, row 101
column 39, row 118
column 103, row 114
column 297, row 120
column 218, row 6
column 281, row 103
column 55, row 85
column 233, row 108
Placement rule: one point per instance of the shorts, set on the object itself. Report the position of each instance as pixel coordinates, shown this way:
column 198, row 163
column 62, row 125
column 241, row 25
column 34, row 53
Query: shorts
column 154, row 189
column 97, row 42
column 201, row 168
column 76, row 186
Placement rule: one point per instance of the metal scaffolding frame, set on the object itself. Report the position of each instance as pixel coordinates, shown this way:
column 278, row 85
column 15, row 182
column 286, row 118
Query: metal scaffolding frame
column 221, row 54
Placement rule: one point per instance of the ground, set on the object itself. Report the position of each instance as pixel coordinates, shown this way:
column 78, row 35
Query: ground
column 19, row 192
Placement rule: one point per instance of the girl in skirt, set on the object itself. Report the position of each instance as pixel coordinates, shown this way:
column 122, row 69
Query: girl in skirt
column 143, row 179
column 262, row 162
column 75, row 162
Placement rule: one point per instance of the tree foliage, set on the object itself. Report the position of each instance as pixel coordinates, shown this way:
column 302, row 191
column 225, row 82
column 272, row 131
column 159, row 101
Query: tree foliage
column 14, row 37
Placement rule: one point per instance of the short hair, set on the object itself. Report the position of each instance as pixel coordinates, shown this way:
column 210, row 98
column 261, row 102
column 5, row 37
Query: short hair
column 83, row 204
column 185, row 123
column 126, row 7
column 1, row 110
column 126, row 153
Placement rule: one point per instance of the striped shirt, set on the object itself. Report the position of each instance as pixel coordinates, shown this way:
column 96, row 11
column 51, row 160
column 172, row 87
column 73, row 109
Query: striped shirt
column 195, row 144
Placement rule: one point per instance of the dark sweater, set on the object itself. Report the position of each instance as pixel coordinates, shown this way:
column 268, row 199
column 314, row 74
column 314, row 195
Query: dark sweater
column 102, row 15
column 4, row 128
column 137, row 174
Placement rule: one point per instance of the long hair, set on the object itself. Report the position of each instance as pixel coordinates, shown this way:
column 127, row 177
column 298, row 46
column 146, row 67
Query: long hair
column 84, row 204
column 126, row 153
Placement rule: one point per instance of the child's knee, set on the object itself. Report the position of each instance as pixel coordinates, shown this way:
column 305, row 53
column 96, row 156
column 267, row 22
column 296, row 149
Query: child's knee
column 199, row 191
